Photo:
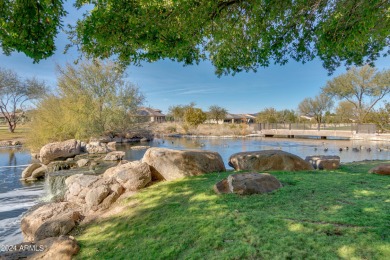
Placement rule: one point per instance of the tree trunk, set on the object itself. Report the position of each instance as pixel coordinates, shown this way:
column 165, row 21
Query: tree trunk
column 11, row 127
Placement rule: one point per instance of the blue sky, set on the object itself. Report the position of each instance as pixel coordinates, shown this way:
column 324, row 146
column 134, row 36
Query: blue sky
column 166, row 83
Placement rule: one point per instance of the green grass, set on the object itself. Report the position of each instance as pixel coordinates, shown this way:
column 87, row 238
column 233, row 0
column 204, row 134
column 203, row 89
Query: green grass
column 21, row 132
column 343, row 214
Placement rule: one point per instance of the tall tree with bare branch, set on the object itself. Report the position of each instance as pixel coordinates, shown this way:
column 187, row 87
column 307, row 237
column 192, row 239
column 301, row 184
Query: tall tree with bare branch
column 15, row 93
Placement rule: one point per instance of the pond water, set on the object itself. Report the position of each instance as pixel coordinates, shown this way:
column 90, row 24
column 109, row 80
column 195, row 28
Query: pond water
column 17, row 197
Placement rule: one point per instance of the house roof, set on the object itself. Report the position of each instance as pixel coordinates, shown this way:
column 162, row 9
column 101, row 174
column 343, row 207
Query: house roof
column 239, row 116
column 148, row 111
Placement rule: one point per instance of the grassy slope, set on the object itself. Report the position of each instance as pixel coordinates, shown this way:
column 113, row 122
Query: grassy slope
column 316, row 215
column 20, row 133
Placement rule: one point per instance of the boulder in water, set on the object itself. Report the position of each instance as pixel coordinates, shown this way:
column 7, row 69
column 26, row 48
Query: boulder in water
column 29, row 170
column 82, row 162
column 53, row 151
column 40, row 172
column 114, row 156
column 97, row 147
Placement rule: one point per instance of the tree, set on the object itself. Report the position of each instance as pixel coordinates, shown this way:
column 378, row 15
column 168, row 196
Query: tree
column 287, row 116
column 267, row 115
column 381, row 117
column 194, row 116
column 217, row 113
column 345, row 112
column 235, row 35
column 271, row 115
column 362, row 87
column 30, row 27
column 316, row 107
column 93, row 98
column 15, row 93
column 178, row 111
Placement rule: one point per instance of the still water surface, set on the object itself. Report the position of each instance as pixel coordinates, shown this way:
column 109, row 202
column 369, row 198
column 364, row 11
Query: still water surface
column 17, row 197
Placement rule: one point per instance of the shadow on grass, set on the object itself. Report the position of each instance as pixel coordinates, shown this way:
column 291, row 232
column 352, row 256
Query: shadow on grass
column 315, row 215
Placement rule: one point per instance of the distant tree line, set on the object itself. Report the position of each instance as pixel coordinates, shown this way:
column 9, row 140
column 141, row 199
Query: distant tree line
column 354, row 96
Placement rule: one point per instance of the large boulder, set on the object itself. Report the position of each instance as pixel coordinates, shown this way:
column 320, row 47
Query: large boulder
column 62, row 247
column 268, row 160
column 382, row 169
column 57, row 150
column 168, row 164
column 92, row 192
column 39, row 172
column 132, row 175
column 50, row 220
column 324, row 162
column 247, row 184
column 29, row 170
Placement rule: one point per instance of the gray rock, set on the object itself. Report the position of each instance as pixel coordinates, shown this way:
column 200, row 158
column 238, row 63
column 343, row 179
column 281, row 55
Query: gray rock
column 111, row 146
column 382, row 169
column 248, row 183
column 50, row 220
column 96, row 195
column 132, row 176
column 114, row 156
column 324, row 162
column 62, row 247
column 169, row 164
column 82, row 162
column 268, row 160
column 97, row 147
column 40, row 172
column 30, row 169
column 57, row 150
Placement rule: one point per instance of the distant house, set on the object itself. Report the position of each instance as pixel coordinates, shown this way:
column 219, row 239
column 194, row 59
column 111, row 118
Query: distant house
column 239, row 118
column 150, row 114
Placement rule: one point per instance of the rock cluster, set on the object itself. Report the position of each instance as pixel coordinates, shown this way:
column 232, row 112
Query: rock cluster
column 10, row 143
column 89, row 192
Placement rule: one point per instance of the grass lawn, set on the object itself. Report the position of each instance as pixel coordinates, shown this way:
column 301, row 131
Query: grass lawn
column 343, row 214
column 20, row 132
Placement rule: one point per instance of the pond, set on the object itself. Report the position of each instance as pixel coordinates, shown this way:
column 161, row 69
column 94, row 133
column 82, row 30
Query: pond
column 17, row 197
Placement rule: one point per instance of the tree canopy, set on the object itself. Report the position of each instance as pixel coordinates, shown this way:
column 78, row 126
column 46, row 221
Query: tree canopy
column 217, row 113
column 92, row 98
column 362, row 87
column 235, row 35
column 30, row 26
column 316, row 107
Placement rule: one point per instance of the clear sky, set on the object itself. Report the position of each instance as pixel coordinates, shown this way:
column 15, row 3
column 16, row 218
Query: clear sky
column 166, row 83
